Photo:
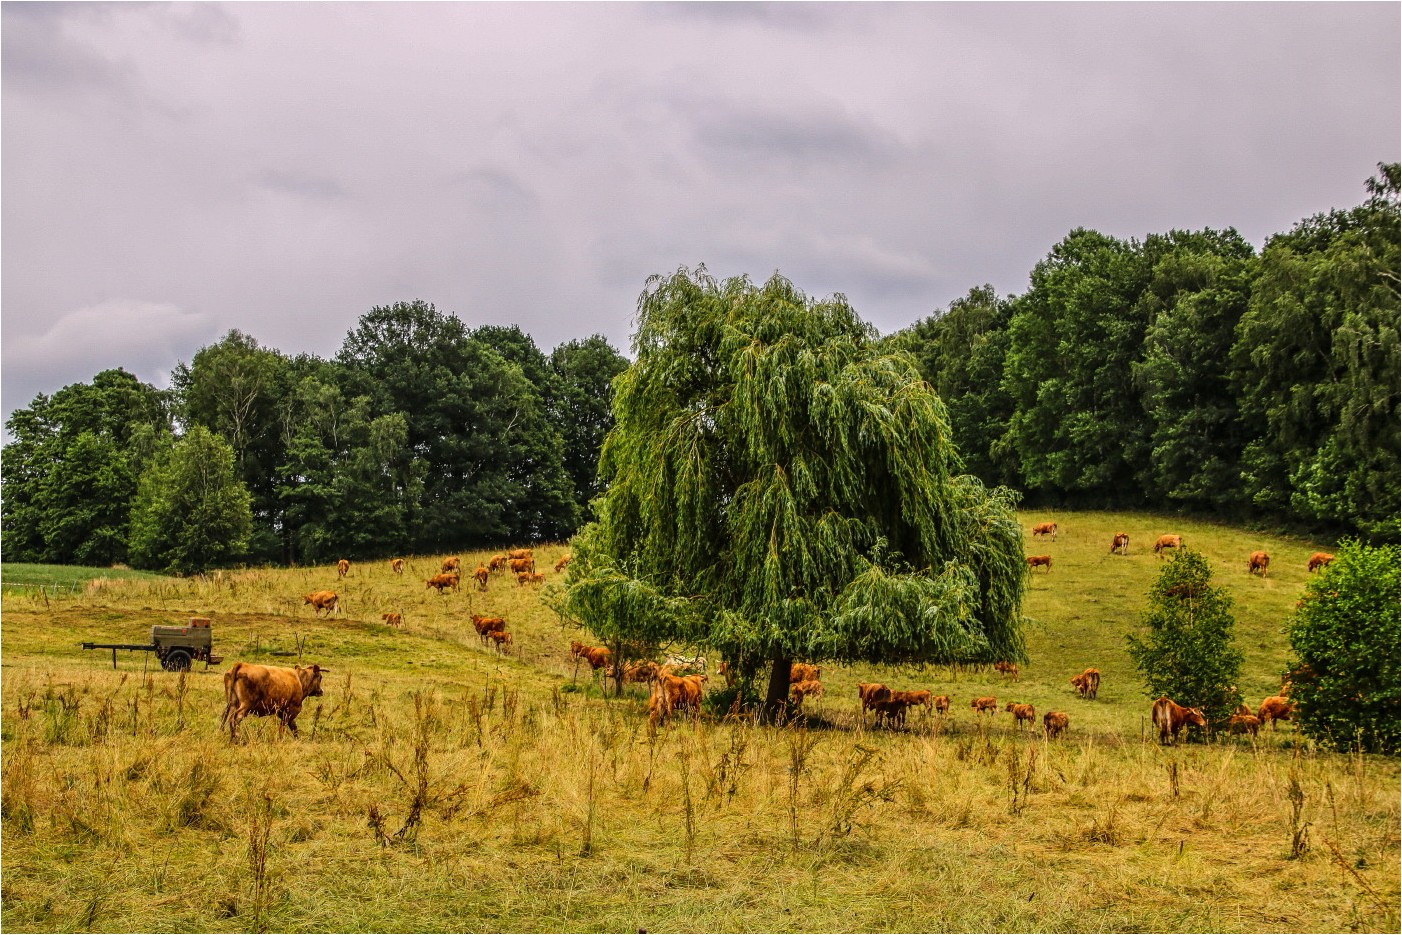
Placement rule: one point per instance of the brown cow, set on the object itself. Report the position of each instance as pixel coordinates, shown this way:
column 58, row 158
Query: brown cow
column 984, row 705
column 596, row 656
column 323, row 600
column 1120, row 543
column 442, row 581
column 1087, row 683
column 396, row 565
column 497, row 563
column 521, row 553
column 1167, row 542
column 453, row 563
column 870, row 692
column 941, row 704
column 1034, row 560
column 393, row 620
column 525, row 578
column 1022, row 712
column 1258, row 560
column 485, row 625
column 1170, row 718
column 1276, row 708
column 801, row 690
column 1318, row 560
column 803, row 672
column 1008, row 669
column 676, row 693
column 342, row 568
column 891, row 710
column 1244, row 724
column 641, row 672
column 1044, row 529
column 560, row 565
column 263, row 690
column 577, row 649
column 521, row 566
column 481, row 575
column 920, row 698
column 501, row 638
column 1055, row 724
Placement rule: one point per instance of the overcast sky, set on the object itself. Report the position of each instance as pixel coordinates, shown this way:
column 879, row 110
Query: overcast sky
column 174, row 171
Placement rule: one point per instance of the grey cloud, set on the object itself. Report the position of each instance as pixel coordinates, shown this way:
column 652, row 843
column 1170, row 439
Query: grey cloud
column 792, row 16
column 806, row 137
column 297, row 182
column 38, row 54
column 496, row 189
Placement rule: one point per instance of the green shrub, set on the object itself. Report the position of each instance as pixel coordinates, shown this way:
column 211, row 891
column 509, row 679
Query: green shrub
column 1345, row 636
column 1188, row 653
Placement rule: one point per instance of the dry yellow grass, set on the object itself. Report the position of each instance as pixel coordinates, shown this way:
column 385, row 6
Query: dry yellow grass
column 439, row 785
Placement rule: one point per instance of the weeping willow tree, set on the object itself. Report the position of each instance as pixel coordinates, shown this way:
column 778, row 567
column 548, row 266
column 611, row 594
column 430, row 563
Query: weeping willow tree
column 780, row 490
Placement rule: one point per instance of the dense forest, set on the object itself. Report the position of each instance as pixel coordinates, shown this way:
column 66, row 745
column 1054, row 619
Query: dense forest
column 1184, row 372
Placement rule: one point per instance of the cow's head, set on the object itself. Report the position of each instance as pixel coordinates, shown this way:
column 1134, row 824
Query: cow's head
column 1196, row 718
column 310, row 677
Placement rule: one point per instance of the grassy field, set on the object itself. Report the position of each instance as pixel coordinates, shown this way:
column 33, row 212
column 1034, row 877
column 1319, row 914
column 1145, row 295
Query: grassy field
column 59, row 579
column 439, row 785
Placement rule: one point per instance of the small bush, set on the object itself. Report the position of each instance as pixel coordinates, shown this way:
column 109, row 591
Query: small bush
column 1345, row 636
column 1188, row 653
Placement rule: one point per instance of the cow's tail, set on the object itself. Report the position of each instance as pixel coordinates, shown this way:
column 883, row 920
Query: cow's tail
column 230, row 701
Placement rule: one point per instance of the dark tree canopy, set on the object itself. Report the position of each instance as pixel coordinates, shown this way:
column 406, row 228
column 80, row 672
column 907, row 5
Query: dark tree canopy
column 779, row 489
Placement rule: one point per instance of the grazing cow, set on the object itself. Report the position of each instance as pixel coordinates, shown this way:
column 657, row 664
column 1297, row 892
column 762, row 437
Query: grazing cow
column 1008, row 669
column 560, row 565
column 641, row 672
column 1244, row 724
column 869, row 693
column 263, row 690
column 342, row 568
column 597, row 656
column 521, row 553
column 1044, row 529
column 676, row 693
column 1318, row 560
column 393, row 620
column 501, row 638
column 1087, row 684
column 1258, row 560
column 1034, row 560
column 801, row 690
column 525, row 578
column 1170, row 718
column 521, row 566
column 984, row 705
column 941, row 704
column 481, row 575
column 323, row 600
column 1276, row 708
column 891, row 710
column 1055, row 724
column 396, row 565
column 452, row 564
column 919, row 698
column 442, row 581
column 1120, row 543
column 1167, row 542
column 485, row 625
column 497, row 563
column 577, row 649
column 803, row 672
column 1022, row 712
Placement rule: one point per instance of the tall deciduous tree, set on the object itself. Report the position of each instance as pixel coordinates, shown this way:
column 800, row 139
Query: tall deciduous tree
column 70, row 471
column 191, row 512
column 582, row 410
column 1077, row 428
column 781, row 490
column 1316, row 359
column 1187, row 652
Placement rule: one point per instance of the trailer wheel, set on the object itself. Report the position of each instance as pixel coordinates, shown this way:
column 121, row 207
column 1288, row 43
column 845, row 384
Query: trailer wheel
column 177, row 660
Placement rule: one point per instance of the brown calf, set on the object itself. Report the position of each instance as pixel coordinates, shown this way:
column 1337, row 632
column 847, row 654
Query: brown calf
column 393, row 620
column 1034, row 560
column 1055, row 724
column 984, row 705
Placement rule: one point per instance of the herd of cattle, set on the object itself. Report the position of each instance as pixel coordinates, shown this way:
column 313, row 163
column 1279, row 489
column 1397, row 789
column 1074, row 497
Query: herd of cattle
column 677, row 685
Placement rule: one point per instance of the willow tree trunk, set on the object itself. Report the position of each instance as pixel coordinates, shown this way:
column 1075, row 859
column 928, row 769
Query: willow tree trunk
column 776, row 699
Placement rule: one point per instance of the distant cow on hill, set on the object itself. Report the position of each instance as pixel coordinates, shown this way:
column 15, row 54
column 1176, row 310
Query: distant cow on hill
column 342, row 568
column 323, row 600
column 1034, row 560
column 1055, row 723
column 1120, row 543
column 442, row 581
column 1258, row 561
column 1044, row 529
column 1167, row 542
column 1170, row 718
column 396, row 565
column 1318, row 560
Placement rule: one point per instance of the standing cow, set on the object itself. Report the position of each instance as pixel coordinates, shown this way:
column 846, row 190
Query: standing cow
column 1258, row 560
column 1170, row 718
column 1044, row 529
column 263, row 690
column 1120, row 543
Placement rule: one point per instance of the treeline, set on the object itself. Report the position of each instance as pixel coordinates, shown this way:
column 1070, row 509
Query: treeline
column 1187, row 372
column 420, row 435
